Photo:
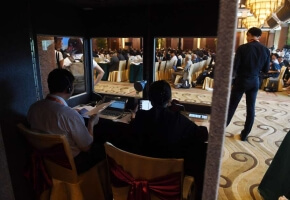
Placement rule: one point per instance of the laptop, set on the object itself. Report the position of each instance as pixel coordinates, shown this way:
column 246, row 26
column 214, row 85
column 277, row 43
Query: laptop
column 114, row 110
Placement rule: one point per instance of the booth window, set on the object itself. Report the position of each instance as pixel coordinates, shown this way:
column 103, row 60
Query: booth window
column 61, row 52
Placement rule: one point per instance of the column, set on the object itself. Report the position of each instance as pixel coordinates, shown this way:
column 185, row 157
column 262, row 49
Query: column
column 271, row 37
column 283, row 35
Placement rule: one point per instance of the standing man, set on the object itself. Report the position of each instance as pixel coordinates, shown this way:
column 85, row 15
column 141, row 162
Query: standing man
column 250, row 59
column 58, row 53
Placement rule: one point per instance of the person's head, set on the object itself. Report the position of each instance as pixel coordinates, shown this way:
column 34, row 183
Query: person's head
column 172, row 53
column 60, row 81
column 274, row 56
column 160, row 93
column 57, row 43
column 76, row 45
column 187, row 57
column 253, row 34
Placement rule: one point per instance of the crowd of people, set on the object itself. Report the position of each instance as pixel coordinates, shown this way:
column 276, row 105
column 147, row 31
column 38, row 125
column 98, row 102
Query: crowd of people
column 181, row 62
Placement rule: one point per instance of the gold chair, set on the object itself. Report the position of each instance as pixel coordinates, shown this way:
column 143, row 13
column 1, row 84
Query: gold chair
column 157, row 177
column 128, row 69
column 120, row 75
column 156, row 69
column 66, row 183
column 280, row 84
column 168, row 70
column 161, row 72
column 207, row 83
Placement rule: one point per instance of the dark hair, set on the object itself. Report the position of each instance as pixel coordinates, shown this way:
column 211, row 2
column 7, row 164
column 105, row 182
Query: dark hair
column 60, row 80
column 254, row 31
column 159, row 93
column 57, row 38
column 275, row 54
column 77, row 45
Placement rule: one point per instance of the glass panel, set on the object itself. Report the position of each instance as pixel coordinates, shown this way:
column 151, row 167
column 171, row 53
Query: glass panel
column 192, row 59
column 117, row 65
column 64, row 52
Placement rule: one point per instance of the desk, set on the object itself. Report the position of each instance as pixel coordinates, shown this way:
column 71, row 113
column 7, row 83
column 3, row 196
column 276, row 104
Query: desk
column 119, row 132
column 105, row 67
column 199, row 122
column 136, row 73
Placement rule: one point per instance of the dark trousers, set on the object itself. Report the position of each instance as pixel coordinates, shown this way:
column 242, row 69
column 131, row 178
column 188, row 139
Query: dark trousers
column 249, row 86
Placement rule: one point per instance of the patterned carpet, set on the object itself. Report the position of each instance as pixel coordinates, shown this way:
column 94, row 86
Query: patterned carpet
column 244, row 163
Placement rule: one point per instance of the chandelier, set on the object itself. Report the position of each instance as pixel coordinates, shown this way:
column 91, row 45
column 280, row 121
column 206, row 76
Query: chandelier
column 251, row 22
column 262, row 9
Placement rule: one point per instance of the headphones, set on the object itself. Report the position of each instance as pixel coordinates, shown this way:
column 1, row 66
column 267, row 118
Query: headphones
column 69, row 87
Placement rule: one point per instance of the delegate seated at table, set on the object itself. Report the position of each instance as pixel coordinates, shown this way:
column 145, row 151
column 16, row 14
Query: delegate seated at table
column 114, row 63
column 186, row 67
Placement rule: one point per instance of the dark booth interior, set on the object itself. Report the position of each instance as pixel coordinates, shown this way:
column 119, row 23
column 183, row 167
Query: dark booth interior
column 20, row 72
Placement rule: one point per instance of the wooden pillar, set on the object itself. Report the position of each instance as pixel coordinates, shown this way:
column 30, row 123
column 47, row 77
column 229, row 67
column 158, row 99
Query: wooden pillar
column 202, row 43
column 271, row 37
column 283, row 35
column 195, row 43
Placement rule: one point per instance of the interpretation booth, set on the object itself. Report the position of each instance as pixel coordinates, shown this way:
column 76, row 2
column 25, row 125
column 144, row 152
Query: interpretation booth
column 91, row 33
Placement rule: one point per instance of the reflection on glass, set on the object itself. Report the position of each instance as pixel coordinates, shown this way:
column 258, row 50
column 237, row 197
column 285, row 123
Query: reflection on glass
column 117, row 65
column 61, row 52
column 185, row 62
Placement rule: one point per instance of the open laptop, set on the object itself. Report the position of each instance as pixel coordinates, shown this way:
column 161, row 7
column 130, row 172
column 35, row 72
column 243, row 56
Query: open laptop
column 114, row 110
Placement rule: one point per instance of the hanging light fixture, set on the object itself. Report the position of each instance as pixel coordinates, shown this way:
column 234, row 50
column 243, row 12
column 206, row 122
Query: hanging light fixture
column 251, row 22
column 262, row 9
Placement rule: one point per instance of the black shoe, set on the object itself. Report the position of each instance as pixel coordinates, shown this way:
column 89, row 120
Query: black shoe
column 193, row 84
column 243, row 138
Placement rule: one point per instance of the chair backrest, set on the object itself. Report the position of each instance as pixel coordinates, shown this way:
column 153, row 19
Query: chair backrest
column 193, row 68
column 208, row 61
column 203, row 64
column 122, row 65
column 98, row 59
column 162, row 65
column 141, row 168
column 282, row 72
column 156, row 68
column 41, row 141
column 169, row 65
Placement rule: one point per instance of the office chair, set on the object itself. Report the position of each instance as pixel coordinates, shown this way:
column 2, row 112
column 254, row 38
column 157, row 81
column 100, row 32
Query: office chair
column 138, row 177
column 59, row 168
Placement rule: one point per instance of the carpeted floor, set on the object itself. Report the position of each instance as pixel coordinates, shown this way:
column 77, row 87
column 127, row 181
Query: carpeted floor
column 244, row 163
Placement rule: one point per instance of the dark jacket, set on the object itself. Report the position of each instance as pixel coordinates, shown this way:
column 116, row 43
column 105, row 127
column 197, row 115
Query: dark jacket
column 160, row 132
column 251, row 59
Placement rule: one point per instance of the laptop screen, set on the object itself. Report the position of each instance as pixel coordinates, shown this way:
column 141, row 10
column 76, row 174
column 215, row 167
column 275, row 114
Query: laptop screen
column 118, row 105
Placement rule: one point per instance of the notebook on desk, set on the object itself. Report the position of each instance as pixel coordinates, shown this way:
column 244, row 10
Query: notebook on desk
column 114, row 110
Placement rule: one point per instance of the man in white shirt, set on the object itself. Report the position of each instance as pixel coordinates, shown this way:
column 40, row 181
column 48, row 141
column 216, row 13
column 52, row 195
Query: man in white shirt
column 52, row 115
column 58, row 54
column 99, row 72
column 173, row 60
